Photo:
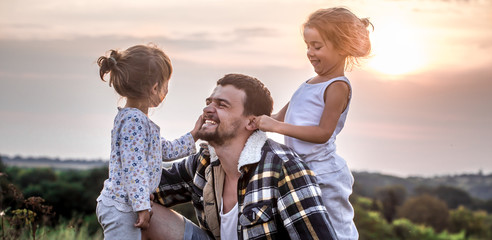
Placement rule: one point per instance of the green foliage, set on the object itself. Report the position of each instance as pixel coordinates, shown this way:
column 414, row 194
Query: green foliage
column 63, row 231
column 391, row 197
column 427, row 210
column 370, row 224
column 454, row 197
column 71, row 193
column 23, row 216
column 29, row 176
column 476, row 224
column 64, row 190
column 406, row 230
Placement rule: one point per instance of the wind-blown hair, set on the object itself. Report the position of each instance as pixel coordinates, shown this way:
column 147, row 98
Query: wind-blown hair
column 344, row 30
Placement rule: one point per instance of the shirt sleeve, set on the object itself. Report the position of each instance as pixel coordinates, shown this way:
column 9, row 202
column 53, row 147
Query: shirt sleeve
column 300, row 204
column 134, row 137
column 177, row 183
column 178, row 148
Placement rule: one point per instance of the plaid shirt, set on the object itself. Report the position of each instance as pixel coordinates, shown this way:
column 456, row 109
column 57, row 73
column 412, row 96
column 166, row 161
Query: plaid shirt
column 278, row 197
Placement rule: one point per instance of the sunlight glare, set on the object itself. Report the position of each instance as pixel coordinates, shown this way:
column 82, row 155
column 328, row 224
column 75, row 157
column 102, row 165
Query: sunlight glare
column 396, row 48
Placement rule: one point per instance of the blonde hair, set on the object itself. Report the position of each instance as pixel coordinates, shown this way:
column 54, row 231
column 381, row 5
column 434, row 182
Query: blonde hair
column 344, row 30
column 135, row 71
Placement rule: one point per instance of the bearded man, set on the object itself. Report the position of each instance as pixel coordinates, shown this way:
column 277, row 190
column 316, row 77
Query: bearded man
column 245, row 186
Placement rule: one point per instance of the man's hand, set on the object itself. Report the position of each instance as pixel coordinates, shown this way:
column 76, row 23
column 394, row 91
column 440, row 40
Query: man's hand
column 143, row 219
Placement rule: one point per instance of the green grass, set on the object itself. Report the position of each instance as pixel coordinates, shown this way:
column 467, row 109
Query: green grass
column 63, row 231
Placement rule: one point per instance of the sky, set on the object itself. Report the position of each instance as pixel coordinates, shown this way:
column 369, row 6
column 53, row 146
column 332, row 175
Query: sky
column 421, row 103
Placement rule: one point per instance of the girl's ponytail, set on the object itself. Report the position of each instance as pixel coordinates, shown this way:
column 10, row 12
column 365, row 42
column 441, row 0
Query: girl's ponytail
column 133, row 72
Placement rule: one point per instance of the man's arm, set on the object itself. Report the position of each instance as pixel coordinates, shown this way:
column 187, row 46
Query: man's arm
column 300, row 204
column 176, row 185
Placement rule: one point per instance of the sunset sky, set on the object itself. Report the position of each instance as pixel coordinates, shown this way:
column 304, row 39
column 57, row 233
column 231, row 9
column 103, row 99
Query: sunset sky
column 421, row 104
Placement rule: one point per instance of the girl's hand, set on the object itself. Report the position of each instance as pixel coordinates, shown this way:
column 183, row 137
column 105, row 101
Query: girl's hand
column 198, row 125
column 265, row 123
column 143, row 219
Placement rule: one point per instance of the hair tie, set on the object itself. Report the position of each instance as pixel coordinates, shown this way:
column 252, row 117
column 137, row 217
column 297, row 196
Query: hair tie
column 114, row 60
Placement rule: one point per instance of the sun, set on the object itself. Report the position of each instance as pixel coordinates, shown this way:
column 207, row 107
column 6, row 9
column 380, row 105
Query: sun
column 397, row 48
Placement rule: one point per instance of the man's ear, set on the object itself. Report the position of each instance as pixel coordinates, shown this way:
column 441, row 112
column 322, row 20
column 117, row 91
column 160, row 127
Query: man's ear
column 251, row 125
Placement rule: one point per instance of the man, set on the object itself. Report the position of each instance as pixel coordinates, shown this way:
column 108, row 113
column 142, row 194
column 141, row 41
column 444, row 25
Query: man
column 248, row 186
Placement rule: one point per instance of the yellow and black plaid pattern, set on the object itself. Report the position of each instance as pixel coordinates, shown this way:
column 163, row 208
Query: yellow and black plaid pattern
column 278, row 197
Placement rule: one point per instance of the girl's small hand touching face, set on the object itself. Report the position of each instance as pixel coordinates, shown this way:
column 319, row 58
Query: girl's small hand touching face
column 198, row 125
column 265, row 123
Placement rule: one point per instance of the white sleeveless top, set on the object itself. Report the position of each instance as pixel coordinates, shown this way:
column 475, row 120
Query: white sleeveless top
column 228, row 223
column 305, row 109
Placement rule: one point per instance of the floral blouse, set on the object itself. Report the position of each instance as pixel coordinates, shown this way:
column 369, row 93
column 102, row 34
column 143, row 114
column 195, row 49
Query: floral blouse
column 135, row 166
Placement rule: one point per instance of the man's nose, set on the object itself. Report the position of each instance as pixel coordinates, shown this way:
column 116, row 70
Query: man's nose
column 209, row 108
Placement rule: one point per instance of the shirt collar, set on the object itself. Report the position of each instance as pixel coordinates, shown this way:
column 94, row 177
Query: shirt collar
column 251, row 152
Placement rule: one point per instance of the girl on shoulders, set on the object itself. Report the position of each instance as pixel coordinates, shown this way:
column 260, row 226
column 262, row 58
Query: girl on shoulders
column 335, row 40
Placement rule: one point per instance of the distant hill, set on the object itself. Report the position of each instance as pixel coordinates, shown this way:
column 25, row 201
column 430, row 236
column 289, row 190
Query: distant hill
column 477, row 185
column 366, row 184
column 42, row 162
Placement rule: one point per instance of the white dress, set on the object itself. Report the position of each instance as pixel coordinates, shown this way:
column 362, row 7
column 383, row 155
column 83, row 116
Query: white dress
column 335, row 179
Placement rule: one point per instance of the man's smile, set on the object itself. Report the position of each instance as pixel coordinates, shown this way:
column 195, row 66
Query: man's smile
column 209, row 122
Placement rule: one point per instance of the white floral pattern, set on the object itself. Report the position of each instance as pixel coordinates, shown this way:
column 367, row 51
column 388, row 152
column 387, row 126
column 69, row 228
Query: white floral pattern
column 137, row 151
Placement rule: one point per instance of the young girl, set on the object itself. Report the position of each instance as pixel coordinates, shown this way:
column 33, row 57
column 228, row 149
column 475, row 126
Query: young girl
column 335, row 39
column 141, row 75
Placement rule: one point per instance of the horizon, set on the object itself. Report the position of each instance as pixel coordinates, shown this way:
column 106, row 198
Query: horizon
column 478, row 172
column 420, row 104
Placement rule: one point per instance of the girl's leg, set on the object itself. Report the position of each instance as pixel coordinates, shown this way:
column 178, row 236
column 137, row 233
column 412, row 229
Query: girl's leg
column 336, row 188
column 116, row 224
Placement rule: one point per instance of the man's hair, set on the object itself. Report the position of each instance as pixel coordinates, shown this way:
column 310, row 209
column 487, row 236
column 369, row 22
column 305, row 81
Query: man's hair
column 258, row 99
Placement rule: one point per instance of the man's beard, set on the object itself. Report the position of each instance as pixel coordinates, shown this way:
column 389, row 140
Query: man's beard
column 218, row 139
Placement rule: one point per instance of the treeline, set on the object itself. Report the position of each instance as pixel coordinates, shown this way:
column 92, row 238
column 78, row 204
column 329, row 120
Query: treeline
column 388, row 207
column 35, row 201
column 391, row 214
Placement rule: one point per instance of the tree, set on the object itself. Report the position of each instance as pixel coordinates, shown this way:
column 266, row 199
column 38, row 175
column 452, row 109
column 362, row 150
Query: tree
column 371, row 225
column 476, row 224
column 406, row 230
column 454, row 197
column 2, row 166
column 427, row 210
column 391, row 198
column 35, row 176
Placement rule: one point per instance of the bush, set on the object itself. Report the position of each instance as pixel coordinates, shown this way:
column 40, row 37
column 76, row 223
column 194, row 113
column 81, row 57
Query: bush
column 475, row 224
column 406, row 230
column 427, row 210
column 371, row 225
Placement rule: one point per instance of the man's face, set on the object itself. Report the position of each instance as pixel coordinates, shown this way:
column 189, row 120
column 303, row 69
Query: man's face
column 223, row 116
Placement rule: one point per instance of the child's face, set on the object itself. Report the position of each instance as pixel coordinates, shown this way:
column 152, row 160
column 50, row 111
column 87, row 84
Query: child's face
column 325, row 59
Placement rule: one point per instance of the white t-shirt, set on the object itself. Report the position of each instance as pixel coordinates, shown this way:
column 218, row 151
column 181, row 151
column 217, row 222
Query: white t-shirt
column 228, row 223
